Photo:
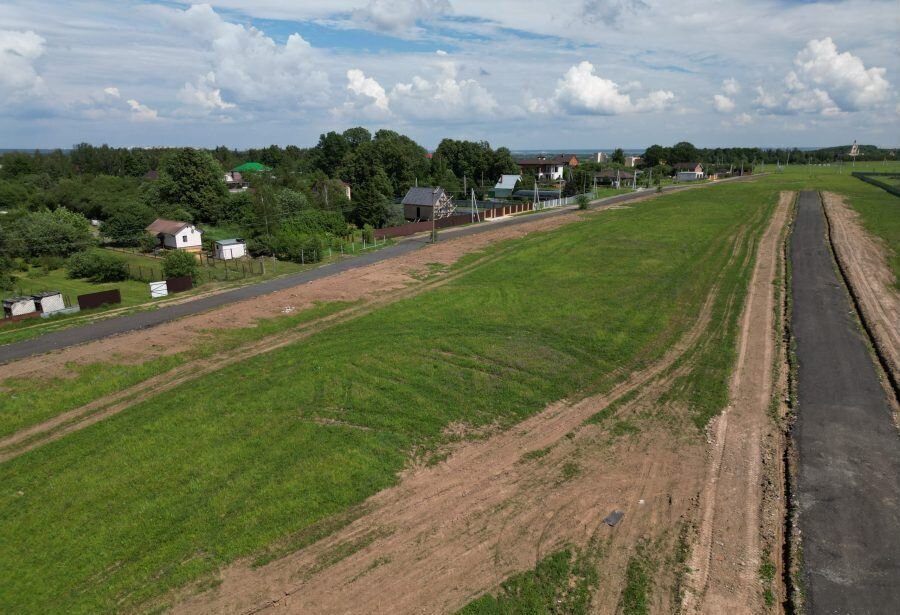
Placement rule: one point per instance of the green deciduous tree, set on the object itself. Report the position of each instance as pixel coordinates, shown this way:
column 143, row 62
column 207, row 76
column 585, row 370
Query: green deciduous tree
column 193, row 180
column 178, row 263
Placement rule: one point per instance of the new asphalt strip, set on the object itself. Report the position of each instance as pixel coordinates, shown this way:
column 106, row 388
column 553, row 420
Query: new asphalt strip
column 848, row 487
column 103, row 328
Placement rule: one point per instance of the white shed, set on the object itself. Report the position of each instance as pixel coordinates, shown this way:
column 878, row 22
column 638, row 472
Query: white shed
column 18, row 306
column 227, row 249
column 49, row 302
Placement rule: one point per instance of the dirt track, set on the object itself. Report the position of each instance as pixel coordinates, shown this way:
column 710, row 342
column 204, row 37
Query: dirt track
column 448, row 533
column 726, row 558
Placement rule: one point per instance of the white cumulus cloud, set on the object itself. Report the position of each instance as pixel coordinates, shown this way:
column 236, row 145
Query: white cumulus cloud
column 731, row 86
column 204, row 95
column 111, row 91
column 141, row 113
column 825, row 81
column 368, row 89
column 397, row 15
column 443, row 96
column 19, row 52
column 723, row 104
column 582, row 91
column 246, row 65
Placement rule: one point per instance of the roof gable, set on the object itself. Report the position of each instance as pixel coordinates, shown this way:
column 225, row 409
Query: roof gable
column 169, row 227
column 424, row 196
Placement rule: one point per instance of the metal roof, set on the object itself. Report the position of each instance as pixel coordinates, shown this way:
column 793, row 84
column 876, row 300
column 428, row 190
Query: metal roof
column 168, row 227
column 508, row 181
column 229, row 242
column 425, row 196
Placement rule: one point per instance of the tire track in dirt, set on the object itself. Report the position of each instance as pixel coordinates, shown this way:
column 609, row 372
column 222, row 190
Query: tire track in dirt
column 457, row 529
column 726, row 557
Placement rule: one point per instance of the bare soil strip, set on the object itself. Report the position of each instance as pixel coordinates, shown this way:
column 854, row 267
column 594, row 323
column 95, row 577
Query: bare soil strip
column 450, row 532
column 726, row 557
column 864, row 261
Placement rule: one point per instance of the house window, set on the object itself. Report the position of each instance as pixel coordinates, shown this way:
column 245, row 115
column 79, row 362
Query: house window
column 184, row 239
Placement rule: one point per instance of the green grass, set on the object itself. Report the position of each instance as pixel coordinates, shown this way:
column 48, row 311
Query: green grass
column 635, row 598
column 560, row 583
column 36, row 280
column 27, row 401
column 236, row 461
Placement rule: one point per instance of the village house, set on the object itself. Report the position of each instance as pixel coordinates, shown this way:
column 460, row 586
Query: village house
column 613, row 177
column 235, row 181
column 228, row 249
column 548, row 167
column 175, row 235
column 420, row 203
column 632, row 161
column 688, row 171
column 601, row 157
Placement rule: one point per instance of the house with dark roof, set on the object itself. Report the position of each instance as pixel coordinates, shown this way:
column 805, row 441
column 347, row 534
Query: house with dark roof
column 548, row 167
column 176, row 235
column 236, row 182
column 423, row 203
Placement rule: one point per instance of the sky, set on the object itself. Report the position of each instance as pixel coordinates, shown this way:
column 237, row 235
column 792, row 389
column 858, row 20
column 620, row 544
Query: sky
column 582, row 74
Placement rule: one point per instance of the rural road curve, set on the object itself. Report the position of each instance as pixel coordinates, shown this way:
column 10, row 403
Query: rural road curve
column 849, row 453
column 141, row 320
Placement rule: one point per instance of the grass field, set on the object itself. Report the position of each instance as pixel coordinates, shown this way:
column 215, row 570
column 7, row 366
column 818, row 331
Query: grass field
column 237, row 460
column 878, row 209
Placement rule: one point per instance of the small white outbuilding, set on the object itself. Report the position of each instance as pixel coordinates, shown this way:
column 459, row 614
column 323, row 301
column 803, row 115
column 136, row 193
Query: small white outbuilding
column 18, row 306
column 227, row 249
column 49, row 302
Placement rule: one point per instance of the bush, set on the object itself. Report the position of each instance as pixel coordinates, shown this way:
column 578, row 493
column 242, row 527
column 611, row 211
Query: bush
column 300, row 247
column 49, row 263
column 368, row 233
column 583, row 202
column 98, row 266
column 178, row 263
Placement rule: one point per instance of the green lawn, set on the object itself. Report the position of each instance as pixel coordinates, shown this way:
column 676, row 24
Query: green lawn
column 226, row 465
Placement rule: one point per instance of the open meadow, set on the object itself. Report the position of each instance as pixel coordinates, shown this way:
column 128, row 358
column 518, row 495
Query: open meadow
column 266, row 456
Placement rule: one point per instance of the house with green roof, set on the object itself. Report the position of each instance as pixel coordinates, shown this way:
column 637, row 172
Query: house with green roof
column 251, row 167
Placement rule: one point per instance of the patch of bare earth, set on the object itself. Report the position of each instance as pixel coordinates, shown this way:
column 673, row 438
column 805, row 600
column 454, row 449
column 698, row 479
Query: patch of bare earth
column 864, row 259
column 724, row 565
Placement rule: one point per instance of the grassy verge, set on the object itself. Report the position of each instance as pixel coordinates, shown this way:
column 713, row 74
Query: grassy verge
column 239, row 459
column 28, row 401
column 560, row 583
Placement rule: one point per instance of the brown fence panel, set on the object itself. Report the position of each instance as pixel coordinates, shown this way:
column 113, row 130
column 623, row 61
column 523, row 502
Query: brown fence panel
column 179, row 285
column 93, row 300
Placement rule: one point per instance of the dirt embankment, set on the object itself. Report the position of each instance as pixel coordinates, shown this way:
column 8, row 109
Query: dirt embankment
column 864, row 260
column 726, row 559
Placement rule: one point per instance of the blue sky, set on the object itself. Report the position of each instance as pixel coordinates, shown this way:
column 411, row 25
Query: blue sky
column 583, row 74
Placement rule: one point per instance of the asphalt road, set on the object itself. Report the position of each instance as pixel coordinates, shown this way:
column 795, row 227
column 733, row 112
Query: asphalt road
column 103, row 328
column 849, row 452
